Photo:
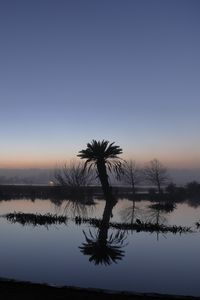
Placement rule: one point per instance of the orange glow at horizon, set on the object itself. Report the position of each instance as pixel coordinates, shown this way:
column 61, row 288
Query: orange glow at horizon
column 180, row 160
column 26, row 162
column 176, row 159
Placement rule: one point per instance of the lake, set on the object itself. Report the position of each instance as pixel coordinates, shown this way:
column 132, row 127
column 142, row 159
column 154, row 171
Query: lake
column 68, row 254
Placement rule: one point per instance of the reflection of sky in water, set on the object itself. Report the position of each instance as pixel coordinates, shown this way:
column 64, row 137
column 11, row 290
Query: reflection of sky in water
column 165, row 263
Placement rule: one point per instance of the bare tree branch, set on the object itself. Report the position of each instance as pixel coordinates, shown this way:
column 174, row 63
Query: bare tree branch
column 132, row 174
column 73, row 175
column 156, row 173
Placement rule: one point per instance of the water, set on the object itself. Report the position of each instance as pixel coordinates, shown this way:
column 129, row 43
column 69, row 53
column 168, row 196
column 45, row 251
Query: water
column 146, row 262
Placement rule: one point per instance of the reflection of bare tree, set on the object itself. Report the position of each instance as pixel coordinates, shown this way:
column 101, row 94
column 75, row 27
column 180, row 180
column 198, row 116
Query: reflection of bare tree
column 130, row 213
column 56, row 202
column 197, row 225
column 79, row 208
column 132, row 176
column 101, row 248
column 156, row 216
column 75, row 206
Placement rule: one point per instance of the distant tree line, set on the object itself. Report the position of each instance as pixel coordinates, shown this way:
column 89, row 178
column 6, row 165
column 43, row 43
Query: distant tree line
column 39, row 177
column 16, row 180
column 154, row 173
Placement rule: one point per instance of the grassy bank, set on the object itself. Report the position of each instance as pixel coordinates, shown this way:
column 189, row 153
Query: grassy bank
column 11, row 289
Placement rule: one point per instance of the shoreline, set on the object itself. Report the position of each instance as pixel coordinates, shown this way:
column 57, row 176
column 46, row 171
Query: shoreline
column 13, row 289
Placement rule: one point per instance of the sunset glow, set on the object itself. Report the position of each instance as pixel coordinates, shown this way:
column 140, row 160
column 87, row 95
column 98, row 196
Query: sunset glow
column 133, row 81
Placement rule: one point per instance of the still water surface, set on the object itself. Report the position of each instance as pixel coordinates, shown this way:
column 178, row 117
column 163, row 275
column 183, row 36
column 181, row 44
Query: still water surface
column 145, row 262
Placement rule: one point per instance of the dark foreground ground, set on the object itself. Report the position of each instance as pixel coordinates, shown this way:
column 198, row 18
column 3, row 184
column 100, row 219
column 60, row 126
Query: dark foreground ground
column 23, row 290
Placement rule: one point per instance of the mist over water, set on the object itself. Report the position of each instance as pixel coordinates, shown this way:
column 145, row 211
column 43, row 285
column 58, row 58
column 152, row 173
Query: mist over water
column 44, row 176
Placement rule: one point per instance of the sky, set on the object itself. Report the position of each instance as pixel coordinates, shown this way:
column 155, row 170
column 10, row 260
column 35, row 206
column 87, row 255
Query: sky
column 126, row 71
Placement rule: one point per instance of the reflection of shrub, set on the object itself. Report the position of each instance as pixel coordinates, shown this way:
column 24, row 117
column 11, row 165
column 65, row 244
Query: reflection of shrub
column 175, row 193
column 35, row 219
column 171, row 189
column 193, row 188
column 164, row 206
column 197, row 224
column 152, row 191
column 138, row 226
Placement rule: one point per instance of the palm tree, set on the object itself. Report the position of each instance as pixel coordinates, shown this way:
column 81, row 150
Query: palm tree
column 103, row 155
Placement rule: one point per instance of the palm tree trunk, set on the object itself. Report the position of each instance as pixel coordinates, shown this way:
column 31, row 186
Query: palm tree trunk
column 103, row 232
column 103, row 176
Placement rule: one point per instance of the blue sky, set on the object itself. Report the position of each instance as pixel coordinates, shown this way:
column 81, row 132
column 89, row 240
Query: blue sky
column 126, row 71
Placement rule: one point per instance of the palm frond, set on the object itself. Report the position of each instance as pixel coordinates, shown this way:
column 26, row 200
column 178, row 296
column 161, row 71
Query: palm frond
column 104, row 151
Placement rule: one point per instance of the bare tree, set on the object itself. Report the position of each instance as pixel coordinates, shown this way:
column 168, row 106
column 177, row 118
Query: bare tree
column 132, row 174
column 73, row 175
column 156, row 174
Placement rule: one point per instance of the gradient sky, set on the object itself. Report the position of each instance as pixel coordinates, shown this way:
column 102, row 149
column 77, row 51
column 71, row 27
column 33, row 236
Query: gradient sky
column 73, row 70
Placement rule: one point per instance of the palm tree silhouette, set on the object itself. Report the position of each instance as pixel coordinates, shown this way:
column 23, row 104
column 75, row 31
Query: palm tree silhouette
column 103, row 155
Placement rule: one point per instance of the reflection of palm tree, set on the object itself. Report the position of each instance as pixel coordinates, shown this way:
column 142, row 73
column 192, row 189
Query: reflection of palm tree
column 104, row 251
column 101, row 248
column 102, row 155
